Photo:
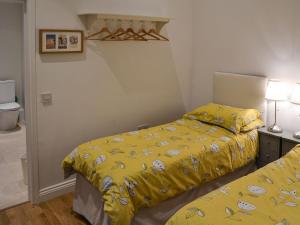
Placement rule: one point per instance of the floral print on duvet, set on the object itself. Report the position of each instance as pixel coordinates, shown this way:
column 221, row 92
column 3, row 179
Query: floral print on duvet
column 270, row 196
column 142, row 168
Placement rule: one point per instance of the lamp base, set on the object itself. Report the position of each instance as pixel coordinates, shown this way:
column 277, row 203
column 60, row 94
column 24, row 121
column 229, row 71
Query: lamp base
column 275, row 129
column 297, row 135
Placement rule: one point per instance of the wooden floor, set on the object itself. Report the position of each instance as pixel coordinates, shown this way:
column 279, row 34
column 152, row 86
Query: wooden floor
column 54, row 212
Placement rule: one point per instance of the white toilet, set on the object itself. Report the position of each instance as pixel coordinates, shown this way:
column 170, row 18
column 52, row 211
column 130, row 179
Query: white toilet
column 9, row 109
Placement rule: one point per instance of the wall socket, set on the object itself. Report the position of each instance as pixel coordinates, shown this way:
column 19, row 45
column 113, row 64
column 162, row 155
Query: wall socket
column 143, row 126
column 46, row 98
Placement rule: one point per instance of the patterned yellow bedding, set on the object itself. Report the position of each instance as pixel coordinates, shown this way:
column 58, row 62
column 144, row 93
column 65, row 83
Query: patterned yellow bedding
column 270, row 196
column 142, row 168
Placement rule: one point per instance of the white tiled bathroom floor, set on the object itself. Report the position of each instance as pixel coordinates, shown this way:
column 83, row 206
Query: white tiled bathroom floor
column 12, row 187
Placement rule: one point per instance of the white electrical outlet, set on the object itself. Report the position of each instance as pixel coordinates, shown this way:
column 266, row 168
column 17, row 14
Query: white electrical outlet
column 46, row 98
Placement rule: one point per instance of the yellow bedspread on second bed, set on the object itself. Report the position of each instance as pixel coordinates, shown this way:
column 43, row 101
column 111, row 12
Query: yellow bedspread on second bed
column 270, row 196
column 141, row 169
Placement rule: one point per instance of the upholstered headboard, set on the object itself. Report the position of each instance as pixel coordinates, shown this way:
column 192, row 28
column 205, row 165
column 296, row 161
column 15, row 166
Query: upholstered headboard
column 242, row 91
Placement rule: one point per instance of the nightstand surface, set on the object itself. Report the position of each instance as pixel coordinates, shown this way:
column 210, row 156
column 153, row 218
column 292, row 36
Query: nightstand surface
column 264, row 130
column 273, row 146
column 290, row 136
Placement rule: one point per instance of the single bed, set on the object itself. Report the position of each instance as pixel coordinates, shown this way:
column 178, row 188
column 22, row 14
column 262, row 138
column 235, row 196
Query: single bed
column 269, row 196
column 151, row 193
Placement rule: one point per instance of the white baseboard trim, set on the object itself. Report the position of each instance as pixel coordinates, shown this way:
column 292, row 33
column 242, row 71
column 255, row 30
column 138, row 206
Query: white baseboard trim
column 57, row 190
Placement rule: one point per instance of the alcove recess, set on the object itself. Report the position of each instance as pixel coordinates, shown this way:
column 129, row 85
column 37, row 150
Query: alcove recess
column 114, row 27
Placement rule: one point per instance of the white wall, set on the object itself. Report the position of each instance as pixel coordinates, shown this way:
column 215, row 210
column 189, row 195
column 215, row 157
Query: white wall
column 112, row 87
column 11, row 47
column 249, row 37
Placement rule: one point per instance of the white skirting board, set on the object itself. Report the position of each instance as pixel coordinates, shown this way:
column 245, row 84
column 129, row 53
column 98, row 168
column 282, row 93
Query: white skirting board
column 57, row 190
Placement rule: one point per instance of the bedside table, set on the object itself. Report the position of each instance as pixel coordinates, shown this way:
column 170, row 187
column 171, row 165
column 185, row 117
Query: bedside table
column 273, row 146
column 288, row 142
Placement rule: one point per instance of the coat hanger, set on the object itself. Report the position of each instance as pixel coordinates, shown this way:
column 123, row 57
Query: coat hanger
column 102, row 31
column 142, row 32
column 153, row 31
column 130, row 34
column 161, row 37
column 115, row 36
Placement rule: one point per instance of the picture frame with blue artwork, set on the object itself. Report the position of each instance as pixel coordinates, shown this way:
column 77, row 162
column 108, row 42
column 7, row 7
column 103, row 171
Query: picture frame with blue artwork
column 60, row 41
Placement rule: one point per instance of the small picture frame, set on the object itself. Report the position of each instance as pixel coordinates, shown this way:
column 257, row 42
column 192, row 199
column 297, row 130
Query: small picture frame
column 61, row 41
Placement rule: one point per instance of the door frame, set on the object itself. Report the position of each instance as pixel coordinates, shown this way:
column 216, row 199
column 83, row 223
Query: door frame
column 30, row 84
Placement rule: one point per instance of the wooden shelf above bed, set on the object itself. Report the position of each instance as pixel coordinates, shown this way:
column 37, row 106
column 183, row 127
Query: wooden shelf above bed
column 95, row 21
column 124, row 17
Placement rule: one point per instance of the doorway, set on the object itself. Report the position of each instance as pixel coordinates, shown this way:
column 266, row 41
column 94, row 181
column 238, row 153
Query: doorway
column 13, row 123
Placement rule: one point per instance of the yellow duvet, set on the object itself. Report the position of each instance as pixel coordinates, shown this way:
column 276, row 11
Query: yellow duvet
column 142, row 168
column 270, row 196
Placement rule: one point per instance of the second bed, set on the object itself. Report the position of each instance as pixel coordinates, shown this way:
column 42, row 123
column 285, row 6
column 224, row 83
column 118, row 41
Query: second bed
column 269, row 196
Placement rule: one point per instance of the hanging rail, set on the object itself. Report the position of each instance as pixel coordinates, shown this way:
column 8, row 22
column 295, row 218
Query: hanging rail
column 111, row 27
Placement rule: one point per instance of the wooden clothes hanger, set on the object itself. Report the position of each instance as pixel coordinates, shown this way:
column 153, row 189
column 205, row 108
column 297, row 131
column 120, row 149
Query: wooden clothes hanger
column 102, row 31
column 114, row 36
column 132, row 35
column 152, row 34
column 129, row 34
column 161, row 37
column 124, row 35
column 142, row 32
column 146, row 34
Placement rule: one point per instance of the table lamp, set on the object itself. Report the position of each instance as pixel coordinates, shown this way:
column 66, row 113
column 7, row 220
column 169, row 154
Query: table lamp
column 276, row 91
column 295, row 98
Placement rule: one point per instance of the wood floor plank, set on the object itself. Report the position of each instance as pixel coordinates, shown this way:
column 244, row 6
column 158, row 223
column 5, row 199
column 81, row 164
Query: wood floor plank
column 48, row 214
column 54, row 212
column 4, row 218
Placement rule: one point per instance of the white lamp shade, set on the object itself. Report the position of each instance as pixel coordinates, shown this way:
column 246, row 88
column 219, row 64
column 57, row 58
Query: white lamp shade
column 295, row 98
column 276, row 91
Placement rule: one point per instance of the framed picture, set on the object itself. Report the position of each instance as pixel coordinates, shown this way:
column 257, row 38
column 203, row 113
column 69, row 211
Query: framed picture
column 61, row 41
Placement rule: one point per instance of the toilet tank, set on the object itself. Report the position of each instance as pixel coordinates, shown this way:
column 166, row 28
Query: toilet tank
column 7, row 91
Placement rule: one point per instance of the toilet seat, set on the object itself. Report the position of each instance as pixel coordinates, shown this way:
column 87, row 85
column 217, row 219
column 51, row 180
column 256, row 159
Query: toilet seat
column 13, row 106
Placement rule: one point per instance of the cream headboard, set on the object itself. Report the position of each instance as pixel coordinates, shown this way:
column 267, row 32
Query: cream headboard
column 242, row 91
